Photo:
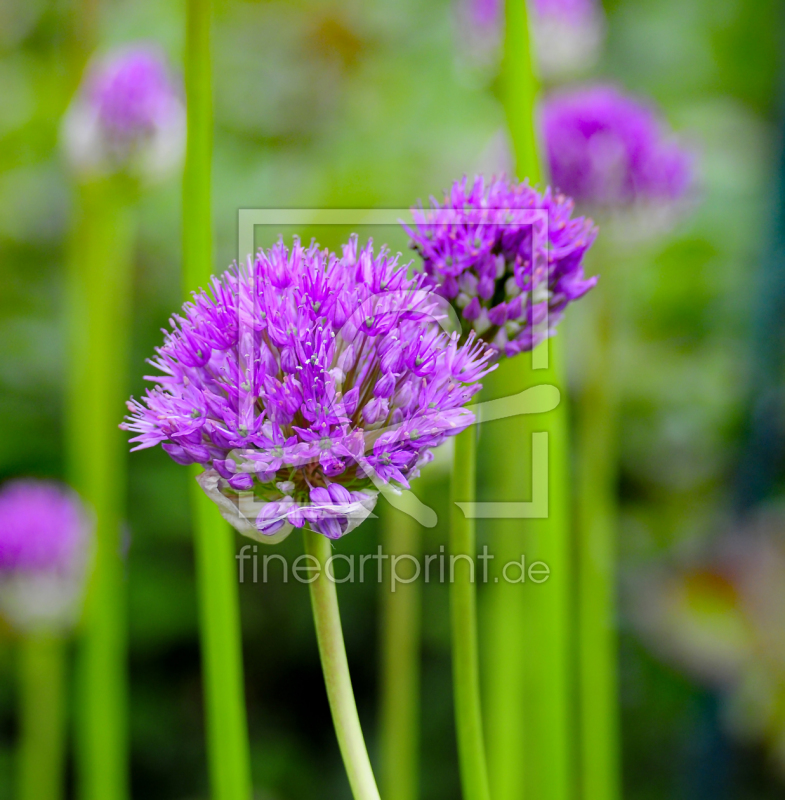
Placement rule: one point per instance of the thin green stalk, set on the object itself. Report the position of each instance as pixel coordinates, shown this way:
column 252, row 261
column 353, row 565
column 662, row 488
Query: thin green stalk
column 222, row 660
column 529, row 720
column 506, row 610
column 596, row 475
column 327, row 618
column 227, row 734
column 99, row 291
column 463, row 612
column 42, row 690
column 519, row 88
column 400, row 683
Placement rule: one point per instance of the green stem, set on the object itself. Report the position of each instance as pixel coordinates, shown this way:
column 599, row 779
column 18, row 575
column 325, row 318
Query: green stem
column 528, row 646
column 528, row 655
column 596, row 462
column 463, row 612
column 520, row 87
column 99, row 324
column 222, row 658
column 42, row 689
column 227, row 734
column 401, row 623
column 505, row 441
column 327, row 618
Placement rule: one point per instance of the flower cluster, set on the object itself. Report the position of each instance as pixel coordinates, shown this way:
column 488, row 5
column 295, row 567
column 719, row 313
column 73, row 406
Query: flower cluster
column 44, row 542
column 304, row 381
column 608, row 150
column 128, row 116
column 510, row 258
column 567, row 35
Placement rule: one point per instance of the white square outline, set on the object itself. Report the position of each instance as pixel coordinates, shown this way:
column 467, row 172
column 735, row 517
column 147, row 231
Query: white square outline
column 537, row 508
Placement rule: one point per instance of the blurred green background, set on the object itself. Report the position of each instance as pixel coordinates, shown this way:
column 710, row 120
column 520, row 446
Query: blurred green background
column 321, row 103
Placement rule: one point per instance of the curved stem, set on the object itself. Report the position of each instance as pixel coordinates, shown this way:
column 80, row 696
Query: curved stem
column 327, row 619
column 400, row 679
column 42, row 689
column 463, row 612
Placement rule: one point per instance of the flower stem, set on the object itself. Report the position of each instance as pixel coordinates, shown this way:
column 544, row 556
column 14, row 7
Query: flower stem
column 227, row 734
column 463, row 612
column 222, row 658
column 529, row 631
column 42, row 690
column 596, row 475
column 327, row 618
column 508, row 604
column 99, row 289
column 401, row 621
column 528, row 655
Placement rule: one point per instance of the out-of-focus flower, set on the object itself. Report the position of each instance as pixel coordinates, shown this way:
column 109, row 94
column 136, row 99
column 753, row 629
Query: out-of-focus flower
column 567, row 35
column 610, row 151
column 304, row 382
column 510, row 258
column 45, row 538
column 720, row 618
column 127, row 117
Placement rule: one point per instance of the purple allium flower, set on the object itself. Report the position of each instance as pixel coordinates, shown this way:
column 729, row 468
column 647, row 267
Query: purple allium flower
column 509, row 257
column 45, row 536
column 304, row 381
column 128, row 116
column 567, row 35
column 609, row 150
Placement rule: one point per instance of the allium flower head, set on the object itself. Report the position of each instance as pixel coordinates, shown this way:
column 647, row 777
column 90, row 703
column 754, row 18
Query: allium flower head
column 567, row 35
column 609, row 150
column 44, row 542
column 128, row 116
column 509, row 257
column 303, row 382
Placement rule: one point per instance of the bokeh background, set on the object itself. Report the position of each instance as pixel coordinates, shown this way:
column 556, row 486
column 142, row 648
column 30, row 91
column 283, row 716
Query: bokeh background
column 322, row 103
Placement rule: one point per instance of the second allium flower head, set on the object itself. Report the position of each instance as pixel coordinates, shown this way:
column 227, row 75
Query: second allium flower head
column 509, row 257
column 127, row 117
column 304, row 381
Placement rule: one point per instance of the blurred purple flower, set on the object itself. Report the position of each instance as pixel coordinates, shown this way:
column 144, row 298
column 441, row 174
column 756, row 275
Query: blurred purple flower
column 609, row 150
column 486, row 13
column 127, row 116
column 304, row 381
column 44, row 541
column 510, row 258
column 567, row 35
